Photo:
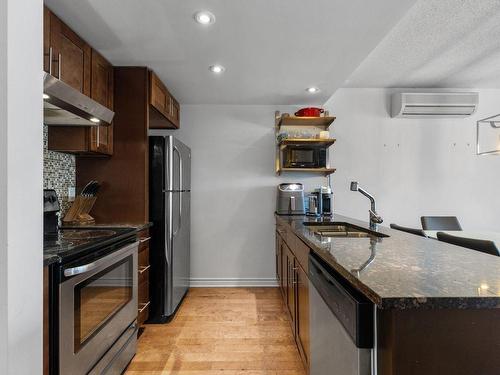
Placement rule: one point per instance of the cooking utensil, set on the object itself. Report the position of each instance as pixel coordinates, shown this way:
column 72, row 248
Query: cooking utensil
column 309, row 112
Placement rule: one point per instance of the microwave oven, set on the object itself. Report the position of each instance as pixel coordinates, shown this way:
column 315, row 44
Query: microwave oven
column 304, row 157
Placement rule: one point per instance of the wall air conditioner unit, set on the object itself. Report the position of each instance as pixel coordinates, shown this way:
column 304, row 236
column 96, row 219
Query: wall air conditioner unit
column 434, row 104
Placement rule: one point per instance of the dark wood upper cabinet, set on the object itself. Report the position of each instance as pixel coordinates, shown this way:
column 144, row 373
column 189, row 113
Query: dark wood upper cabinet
column 101, row 137
column 47, row 54
column 78, row 65
column 71, row 55
column 165, row 110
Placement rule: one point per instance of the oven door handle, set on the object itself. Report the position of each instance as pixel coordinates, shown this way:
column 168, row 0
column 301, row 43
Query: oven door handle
column 79, row 270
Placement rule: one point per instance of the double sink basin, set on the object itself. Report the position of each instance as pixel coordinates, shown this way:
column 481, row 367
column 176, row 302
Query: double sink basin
column 343, row 230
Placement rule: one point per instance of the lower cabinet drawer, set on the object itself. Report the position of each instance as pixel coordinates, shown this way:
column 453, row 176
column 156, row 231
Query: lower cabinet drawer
column 143, row 257
column 143, row 295
column 143, row 292
column 143, row 313
column 143, row 274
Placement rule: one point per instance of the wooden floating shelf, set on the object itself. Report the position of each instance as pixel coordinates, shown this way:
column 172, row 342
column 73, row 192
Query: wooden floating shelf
column 285, row 120
column 307, row 142
column 323, row 171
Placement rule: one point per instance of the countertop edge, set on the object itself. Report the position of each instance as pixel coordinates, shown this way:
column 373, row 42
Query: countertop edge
column 399, row 303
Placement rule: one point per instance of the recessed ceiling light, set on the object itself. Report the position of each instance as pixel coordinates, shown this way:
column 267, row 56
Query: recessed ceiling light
column 45, row 96
column 312, row 90
column 95, row 120
column 204, row 18
column 217, row 69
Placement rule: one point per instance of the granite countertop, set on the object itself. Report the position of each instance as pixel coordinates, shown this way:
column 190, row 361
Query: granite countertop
column 407, row 271
column 138, row 227
column 52, row 256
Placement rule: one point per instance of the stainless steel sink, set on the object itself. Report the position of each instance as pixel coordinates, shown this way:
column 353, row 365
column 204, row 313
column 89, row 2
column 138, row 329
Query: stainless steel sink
column 346, row 230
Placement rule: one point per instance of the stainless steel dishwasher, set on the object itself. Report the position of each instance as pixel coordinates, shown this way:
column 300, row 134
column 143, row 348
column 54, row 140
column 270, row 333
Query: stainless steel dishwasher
column 341, row 323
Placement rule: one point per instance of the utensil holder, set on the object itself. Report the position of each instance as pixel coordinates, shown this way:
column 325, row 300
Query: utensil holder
column 78, row 214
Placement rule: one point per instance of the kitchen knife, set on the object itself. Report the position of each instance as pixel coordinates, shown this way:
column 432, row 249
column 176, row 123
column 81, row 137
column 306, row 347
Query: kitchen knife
column 93, row 189
column 85, row 189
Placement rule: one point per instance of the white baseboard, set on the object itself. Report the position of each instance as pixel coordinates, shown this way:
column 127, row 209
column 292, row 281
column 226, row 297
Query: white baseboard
column 232, row 282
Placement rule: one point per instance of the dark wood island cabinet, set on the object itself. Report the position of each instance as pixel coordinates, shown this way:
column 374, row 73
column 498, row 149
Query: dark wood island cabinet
column 429, row 319
column 291, row 273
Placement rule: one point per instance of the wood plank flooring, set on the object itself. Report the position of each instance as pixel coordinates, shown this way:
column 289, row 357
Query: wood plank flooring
column 223, row 331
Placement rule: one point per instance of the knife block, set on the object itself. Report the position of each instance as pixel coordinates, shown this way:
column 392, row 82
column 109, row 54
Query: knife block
column 78, row 214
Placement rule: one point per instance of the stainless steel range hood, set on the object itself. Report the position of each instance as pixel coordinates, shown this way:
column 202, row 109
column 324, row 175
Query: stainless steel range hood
column 65, row 106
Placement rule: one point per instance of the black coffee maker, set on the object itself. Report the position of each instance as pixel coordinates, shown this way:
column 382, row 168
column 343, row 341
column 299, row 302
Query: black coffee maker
column 324, row 198
column 51, row 210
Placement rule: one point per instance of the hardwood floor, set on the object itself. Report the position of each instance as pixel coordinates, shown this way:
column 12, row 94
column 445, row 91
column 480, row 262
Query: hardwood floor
column 230, row 331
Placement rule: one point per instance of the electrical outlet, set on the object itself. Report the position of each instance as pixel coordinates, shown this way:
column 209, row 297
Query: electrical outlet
column 71, row 193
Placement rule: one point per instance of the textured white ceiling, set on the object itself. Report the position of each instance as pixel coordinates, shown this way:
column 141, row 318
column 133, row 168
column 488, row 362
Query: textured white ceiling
column 272, row 49
column 438, row 43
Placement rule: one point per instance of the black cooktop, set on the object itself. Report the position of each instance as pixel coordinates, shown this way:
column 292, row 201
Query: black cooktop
column 69, row 244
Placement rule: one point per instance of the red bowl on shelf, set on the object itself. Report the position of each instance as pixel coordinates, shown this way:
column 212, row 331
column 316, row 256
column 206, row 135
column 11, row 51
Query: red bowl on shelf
column 309, row 112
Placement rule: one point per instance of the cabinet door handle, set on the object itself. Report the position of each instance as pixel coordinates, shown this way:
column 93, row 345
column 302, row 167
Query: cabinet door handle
column 145, row 239
column 145, row 305
column 143, row 269
column 50, row 60
column 59, row 72
column 97, row 142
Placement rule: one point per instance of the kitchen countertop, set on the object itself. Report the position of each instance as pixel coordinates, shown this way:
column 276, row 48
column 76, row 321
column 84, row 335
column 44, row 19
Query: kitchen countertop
column 54, row 255
column 138, row 227
column 407, row 271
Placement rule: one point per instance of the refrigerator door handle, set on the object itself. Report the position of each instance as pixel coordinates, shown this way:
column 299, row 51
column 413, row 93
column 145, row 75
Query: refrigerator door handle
column 180, row 167
column 167, row 230
column 179, row 219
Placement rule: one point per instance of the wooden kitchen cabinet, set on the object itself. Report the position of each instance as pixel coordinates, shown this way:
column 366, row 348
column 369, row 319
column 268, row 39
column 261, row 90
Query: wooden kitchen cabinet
column 302, row 313
column 289, row 260
column 124, row 178
column 101, row 137
column 159, row 97
column 279, row 262
column 77, row 64
column 292, row 256
column 165, row 110
column 67, row 56
column 143, row 277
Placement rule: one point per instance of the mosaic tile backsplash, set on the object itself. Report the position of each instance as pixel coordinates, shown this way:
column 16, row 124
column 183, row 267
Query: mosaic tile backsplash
column 58, row 172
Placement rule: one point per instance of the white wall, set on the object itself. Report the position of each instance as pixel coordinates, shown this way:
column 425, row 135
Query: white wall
column 413, row 167
column 233, row 192
column 21, row 187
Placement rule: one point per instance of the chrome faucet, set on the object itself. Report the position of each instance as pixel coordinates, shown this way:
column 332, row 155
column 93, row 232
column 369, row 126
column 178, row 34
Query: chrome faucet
column 375, row 218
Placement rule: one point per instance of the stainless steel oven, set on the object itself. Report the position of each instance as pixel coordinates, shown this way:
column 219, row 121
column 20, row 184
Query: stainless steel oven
column 97, row 313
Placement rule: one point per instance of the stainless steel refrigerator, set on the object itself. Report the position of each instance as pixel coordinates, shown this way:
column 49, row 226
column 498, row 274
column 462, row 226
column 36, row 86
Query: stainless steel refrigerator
column 169, row 210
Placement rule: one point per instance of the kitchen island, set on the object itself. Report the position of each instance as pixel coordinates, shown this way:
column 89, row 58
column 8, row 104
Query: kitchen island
column 437, row 306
